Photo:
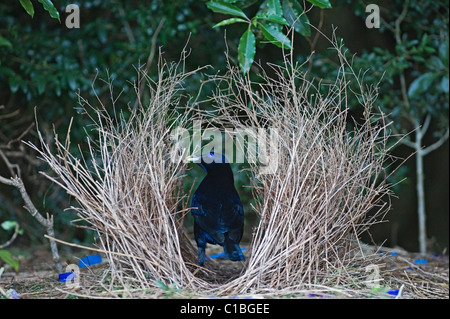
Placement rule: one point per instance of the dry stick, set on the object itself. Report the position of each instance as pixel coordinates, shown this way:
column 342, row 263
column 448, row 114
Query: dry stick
column 19, row 138
column 29, row 206
column 14, row 236
column 10, row 166
column 151, row 56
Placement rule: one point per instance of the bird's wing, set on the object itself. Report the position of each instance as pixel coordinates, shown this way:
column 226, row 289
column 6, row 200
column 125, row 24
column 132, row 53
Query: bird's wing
column 238, row 209
column 196, row 206
column 236, row 226
column 206, row 216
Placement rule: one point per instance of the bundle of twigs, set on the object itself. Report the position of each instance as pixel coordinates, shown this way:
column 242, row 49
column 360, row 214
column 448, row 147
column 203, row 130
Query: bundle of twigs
column 328, row 177
column 128, row 186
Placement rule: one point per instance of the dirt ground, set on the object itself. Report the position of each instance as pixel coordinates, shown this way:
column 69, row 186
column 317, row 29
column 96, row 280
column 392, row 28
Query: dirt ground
column 415, row 276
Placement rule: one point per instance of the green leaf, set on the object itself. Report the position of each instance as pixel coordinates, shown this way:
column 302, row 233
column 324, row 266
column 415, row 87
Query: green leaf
column 246, row 50
column 7, row 258
column 435, row 63
column 229, row 21
column 72, row 82
column 5, row 42
column 161, row 285
column 41, row 85
column 443, row 52
column 225, row 8
column 241, row 3
column 13, row 83
column 275, row 37
column 421, row 84
column 269, row 9
column 9, row 224
column 48, row 6
column 274, row 8
column 272, row 18
column 294, row 15
column 28, row 6
column 324, row 4
column 444, row 83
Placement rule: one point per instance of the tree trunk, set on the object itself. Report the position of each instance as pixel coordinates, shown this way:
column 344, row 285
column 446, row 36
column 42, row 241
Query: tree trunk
column 420, row 192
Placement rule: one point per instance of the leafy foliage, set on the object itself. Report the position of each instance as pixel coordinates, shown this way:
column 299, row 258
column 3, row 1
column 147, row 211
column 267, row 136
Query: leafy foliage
column 46, row 4
column 7, row 257
column 269, row 21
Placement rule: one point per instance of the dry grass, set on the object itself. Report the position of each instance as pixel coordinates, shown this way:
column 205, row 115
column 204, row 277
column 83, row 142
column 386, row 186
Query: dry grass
column 312, row 210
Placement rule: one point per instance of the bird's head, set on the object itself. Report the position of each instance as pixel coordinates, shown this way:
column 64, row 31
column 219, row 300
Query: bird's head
column 210, row 161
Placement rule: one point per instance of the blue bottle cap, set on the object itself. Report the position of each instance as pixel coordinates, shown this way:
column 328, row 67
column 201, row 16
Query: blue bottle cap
column 89, row 260
column 67, row 276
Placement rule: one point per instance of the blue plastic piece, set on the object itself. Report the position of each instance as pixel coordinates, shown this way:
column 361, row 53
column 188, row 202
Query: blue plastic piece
column 13, row 294
column 216, row 256
column 420, row 261
column 67, row 276
column 394, row 253
column 394, row 292
column 89, row 260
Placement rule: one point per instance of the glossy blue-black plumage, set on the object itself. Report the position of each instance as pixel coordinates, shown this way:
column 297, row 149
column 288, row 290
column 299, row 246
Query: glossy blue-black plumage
column 217, row 210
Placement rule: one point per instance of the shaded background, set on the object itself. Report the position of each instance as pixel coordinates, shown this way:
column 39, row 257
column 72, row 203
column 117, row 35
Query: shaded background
column 45, row 65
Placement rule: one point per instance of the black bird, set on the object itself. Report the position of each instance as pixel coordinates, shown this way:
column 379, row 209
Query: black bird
column 217, row 209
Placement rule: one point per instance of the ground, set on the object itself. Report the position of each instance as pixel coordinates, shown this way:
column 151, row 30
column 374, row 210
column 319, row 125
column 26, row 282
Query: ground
column 412, row 275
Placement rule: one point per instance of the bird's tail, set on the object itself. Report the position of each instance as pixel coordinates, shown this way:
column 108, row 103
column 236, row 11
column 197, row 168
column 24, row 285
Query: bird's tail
column 232, row 251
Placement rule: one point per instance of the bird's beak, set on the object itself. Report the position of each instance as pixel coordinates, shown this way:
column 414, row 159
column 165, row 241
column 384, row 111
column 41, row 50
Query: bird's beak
column 194, row 159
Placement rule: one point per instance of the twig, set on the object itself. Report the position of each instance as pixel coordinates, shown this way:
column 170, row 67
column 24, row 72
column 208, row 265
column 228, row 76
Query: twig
column 10, row 166
column 6, row 116
column 11, row 240
column 149, row 62
column 21, row 135
column 126, row 25
column 29, row 206
column 436, row 144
